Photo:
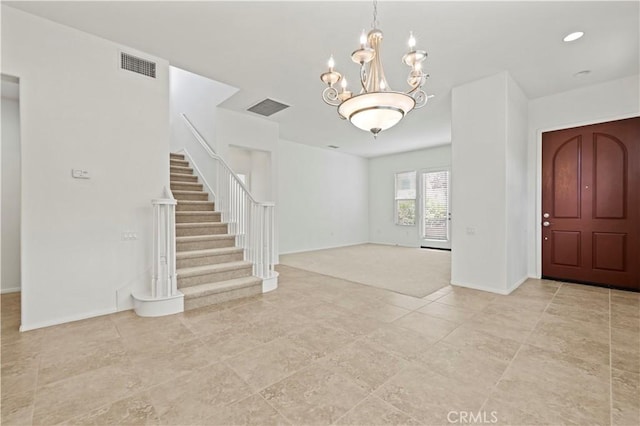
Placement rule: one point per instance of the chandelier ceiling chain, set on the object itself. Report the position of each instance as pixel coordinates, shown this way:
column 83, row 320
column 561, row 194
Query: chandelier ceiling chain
column 377, row 107
column 375, row 23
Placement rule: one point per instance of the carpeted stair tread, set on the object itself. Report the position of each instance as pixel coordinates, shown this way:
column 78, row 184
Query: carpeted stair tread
column 219, row 287
column 194, row 202
column 184, row 191
column 220, row 267
column 197, row 213
column 192, row 184
column 190, row 175
column 181, row 169
column 208, row 252
column 200, row 224
column 205, row 237
column 190, row 195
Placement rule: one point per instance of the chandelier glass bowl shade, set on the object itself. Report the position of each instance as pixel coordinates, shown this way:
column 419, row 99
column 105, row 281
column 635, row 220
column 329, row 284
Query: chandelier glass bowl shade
column 376, row 107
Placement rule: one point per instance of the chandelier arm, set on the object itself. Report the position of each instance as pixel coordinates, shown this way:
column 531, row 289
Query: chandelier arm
column 330, row 96
column 421, row 98
column 363, row 78
column 413, row 89
column 418, row 84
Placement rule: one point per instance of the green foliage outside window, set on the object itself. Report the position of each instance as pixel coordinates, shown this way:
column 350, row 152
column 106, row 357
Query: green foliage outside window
column 406, row 210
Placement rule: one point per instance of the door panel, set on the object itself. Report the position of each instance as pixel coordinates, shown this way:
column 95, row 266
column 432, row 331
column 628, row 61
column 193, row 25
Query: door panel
column 609, row 250
column 565, row 248
column 610, row 178
column 566, row 179
column 591, row 204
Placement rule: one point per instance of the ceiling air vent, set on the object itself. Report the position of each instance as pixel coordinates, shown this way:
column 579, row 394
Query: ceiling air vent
column 138, row 65
column 267, row 107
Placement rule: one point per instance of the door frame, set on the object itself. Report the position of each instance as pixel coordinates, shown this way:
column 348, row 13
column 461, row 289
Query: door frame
column 420, row 205
column 538, row 192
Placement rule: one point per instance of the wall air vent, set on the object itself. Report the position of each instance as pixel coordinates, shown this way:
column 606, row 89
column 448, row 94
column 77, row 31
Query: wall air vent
column 267, row 107
column 138, row 65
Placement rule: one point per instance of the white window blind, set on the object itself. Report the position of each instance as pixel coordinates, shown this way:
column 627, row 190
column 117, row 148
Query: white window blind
column 405, row 198
column 436, row 205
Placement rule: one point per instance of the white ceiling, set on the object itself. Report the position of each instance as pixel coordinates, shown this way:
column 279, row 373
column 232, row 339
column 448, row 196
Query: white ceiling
column 279, row 49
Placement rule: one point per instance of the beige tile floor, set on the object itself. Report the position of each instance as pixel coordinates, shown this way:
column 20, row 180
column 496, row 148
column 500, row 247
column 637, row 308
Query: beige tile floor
column 321, row 350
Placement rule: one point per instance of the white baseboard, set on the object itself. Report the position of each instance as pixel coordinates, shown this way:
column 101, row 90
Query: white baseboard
column 270, row 284
column 124, row 300
column 394, row 244
column 146, row 306
column 503, row 292
column 10, row 290
column 517, row 284
column 323, row 248
column 64, row 320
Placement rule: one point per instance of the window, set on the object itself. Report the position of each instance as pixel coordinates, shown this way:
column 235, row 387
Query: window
column 436, row 205
column 406, row 198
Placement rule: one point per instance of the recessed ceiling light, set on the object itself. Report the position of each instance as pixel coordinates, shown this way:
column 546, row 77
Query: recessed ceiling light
column 582, row 73
column 573, row 36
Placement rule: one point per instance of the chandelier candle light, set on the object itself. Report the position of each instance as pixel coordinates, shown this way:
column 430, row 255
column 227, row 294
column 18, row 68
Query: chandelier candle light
column 376, row 107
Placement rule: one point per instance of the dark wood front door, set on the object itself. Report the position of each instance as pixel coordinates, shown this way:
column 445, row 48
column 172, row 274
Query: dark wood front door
column 591, row 204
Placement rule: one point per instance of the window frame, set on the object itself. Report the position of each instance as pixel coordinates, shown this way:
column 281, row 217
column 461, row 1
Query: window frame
column 396, row 198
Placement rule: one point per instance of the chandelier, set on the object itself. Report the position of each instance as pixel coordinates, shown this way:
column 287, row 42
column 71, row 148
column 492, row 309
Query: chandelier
column 377, row 107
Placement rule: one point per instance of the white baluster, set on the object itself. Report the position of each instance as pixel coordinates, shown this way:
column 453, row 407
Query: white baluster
column 173, row 279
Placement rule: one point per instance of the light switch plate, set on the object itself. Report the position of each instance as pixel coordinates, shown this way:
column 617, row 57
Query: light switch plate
column 80, row 174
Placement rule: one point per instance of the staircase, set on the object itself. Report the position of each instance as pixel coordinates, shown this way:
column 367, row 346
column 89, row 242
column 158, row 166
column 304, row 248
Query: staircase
column 210, row 268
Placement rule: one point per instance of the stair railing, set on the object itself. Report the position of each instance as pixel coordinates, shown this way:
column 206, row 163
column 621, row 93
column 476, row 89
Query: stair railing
column 252, row 222
column 163, row 276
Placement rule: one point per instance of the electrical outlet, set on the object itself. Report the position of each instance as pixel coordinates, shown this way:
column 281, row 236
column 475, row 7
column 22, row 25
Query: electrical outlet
column 471, row 230
column 129, row 236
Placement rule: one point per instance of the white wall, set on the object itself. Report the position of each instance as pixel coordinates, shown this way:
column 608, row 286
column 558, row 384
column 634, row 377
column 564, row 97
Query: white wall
column 592, row 104
column 382, row 170
column 10, row 277
column 478, row 184
column 198, row 98
column 256, row 166
column 79, row 110
column 488, row 155
column 516, row 185
column 322, row 198
column 262, row 185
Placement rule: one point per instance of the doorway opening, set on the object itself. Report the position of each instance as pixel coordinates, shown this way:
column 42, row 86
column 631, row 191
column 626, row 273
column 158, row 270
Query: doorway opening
column 435, row 227
column 253, row 167
column 10, row 280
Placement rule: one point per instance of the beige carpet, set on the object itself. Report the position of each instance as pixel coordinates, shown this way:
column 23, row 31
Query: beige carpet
column 411, row 271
